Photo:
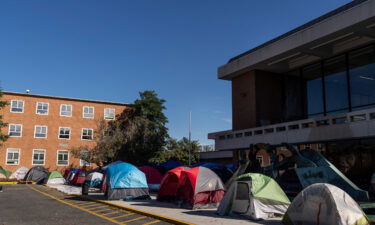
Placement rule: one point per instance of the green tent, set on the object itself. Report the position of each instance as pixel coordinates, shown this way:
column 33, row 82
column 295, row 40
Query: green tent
column 254, row 195
column 54, row 174
column 5, row 172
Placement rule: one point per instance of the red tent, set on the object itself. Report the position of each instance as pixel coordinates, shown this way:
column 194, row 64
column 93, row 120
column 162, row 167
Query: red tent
column 79, row 177
column 200, row 187
column 153, row 175
column 169, row 183
column 66, row 173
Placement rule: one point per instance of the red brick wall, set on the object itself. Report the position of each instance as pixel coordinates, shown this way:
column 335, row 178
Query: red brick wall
column 53, row 121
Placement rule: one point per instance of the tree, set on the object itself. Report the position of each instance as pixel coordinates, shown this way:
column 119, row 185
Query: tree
column 135, row 136
column 178, row 151
column 3, row 137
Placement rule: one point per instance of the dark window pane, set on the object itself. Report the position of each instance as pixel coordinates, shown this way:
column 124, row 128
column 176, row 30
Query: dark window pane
column 362, row 76
column 314, row 91
column 336, row 83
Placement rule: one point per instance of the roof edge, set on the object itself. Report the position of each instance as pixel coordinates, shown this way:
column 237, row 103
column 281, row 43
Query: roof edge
column 66, row 98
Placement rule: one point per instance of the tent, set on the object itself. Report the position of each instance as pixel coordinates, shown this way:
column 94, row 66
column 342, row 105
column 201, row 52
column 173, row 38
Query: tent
column 66, row 173
column 125, row 181
column 168, row 165
column 324, row 204
column 79, row 177
column 36, row 174
column 255, row 196
column 4, row 174
column 199, row 187
column 153, row 177
column 221, row 170
column 169, row 183
column 93, row 179
column 19, row 174
column 55, row 177
column 71, row 174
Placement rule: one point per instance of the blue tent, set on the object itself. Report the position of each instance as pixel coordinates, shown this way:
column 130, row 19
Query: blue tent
column 170, row 164
column 125, row 181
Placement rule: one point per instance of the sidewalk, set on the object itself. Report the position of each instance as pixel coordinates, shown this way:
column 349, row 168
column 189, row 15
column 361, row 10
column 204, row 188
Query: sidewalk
column 200, row 217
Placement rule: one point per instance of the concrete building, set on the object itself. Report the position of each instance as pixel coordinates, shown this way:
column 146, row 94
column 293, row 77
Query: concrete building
column 42, row 129
column 314, row 85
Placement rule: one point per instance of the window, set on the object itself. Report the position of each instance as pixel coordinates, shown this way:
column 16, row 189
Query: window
column 62, row 157
column 362, row 76
column 15, row 130
column 38, row 156
column 336, row 86
column 16, row 106
column 42, row 108
column 64, row 132
column 260, row 159
column 13, row 156
column 88, row 112
column 84, row 155
column 109, row 114
column 65, row 110
column 313, row 77
column 87, row 134
column 40, row 131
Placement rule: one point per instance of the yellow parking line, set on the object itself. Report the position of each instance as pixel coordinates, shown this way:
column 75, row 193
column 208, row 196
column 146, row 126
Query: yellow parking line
column 103, row 210
column 116, row 217
column 152, row 222
column 138, row 218
column 86, row 203
column 109, row 213
column 97, row 207
column 67, row 203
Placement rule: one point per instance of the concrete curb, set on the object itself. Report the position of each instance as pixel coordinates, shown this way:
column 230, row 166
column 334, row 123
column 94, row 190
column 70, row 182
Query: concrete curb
column 163, row 218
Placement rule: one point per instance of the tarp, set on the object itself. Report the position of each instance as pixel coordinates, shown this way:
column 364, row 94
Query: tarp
column 36, row 174
column 256, row 196
column 324, row 204
column 169, row 183
column 19, row 174
column 199, row 187
column 5, row 172
column 125, row 175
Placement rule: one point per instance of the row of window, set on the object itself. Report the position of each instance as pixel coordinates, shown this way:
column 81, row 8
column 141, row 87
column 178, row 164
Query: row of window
column 13, row 157
column 17, row 106
column 15, row 130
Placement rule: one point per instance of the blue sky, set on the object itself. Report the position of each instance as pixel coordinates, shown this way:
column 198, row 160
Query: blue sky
column 112, row 50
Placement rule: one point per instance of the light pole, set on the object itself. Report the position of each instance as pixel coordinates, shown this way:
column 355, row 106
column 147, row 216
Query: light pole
column 190, row 137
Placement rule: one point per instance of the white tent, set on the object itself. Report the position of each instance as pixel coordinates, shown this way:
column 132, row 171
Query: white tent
column 94, row 179
column 19, row 174
column 324, row 204
column 58, row 180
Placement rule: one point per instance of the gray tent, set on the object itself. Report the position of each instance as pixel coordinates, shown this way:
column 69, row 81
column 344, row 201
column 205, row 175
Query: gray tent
column 36, row 174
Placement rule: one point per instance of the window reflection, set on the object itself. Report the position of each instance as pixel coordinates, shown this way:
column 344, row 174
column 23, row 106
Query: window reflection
column 362, row 76
column 336, row 86
column 314, row 91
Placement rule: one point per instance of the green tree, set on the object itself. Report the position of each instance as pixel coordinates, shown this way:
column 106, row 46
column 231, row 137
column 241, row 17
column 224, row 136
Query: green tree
column 3, row 137
column 135, row 136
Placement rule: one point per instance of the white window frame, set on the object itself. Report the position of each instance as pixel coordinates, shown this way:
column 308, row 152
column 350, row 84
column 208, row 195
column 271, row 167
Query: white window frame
column 83, row 162
column 57, row 158
column 40, row 126
column 92, row 134
column 44, row 157
column 70, row 133
column 66, row 105
column 19, row 156
column 88, row 107
column 114, row 114
column 36, row 108
column 23, row 105
column 12, row 124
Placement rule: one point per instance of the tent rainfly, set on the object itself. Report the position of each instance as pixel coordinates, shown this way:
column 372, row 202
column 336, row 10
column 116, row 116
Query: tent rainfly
column 199, row 187
column 5, row 174
column 153, row 177
column 169, row 183
column 36, row 174
column 55, row 177
column 324, row 204
column 19, row 174
column 254, row 195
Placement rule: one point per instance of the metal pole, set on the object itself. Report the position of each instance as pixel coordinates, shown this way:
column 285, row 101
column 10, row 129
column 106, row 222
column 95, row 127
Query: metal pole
column 189, row 137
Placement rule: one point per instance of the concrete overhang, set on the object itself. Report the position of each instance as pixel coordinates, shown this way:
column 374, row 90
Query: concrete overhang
column 345, row 28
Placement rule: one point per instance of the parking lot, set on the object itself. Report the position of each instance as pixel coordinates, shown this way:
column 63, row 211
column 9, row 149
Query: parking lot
column 36, row 204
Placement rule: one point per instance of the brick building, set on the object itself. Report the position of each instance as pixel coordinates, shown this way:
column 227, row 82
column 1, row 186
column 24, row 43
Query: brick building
column 42, row 129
